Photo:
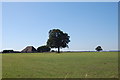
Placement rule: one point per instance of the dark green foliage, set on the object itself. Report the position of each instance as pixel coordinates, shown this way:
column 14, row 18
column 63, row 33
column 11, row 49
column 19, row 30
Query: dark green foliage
column 7, row 51
column 43, row 49
column 98, row 48
column 58, row 39
column 53, row 51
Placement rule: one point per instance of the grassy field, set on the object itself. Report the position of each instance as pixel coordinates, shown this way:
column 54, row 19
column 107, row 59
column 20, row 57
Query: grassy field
column 63, row 65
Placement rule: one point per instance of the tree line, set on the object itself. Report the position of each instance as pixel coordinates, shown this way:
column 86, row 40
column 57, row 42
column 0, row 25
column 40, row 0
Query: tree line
column 57, row 39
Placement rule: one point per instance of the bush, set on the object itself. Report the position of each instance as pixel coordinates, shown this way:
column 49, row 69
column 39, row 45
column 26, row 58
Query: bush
column 43, row 49
column 8, row 51
column 53, row 51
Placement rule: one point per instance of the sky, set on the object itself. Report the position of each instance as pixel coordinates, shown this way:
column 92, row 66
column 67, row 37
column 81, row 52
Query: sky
column 89, row 24
column 60, row 0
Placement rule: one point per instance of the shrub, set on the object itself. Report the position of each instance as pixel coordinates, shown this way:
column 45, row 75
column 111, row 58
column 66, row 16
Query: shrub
column 8, row 51
column 43, row 49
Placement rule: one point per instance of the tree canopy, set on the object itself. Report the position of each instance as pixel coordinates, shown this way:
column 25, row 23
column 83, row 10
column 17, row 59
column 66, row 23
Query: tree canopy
column 58, row 39
column 99, row 48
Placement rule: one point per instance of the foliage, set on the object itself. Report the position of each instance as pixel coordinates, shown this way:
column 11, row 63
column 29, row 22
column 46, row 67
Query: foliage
column 7, row 51
column 53, row 51
column 43, row 49
column 58, row 39
column 99, row 48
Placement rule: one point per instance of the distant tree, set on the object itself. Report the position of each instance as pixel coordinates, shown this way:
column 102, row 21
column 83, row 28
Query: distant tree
column 99, row 48
column 43, row 49
column 52, row 50
column 58, row 39
column 8, row 51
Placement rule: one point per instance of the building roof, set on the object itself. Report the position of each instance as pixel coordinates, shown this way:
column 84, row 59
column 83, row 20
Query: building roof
column 29, row 49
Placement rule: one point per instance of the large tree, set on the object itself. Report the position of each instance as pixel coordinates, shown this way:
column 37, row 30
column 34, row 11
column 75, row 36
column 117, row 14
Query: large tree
column 58, row 39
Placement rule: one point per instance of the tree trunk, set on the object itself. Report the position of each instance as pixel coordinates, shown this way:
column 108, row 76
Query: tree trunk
column 58, row 49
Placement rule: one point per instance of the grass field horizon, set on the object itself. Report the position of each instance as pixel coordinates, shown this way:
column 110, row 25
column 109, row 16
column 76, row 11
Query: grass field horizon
column 63, row 65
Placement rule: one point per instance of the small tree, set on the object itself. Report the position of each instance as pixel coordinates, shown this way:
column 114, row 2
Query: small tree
column 99, row 48
column 43, row 49
column 58, row 39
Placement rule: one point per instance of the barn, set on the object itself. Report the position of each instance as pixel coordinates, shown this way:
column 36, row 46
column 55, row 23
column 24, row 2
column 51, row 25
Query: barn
column 29, row 49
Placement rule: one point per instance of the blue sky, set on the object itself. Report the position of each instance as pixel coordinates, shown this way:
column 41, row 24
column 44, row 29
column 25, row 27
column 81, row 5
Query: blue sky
column 88, row 24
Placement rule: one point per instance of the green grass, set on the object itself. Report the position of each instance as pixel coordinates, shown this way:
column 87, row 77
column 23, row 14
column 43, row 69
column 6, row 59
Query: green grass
column 53, row 65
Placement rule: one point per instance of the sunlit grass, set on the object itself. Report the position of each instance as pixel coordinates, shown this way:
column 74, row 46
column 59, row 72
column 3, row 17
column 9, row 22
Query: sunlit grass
column 54, row 65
